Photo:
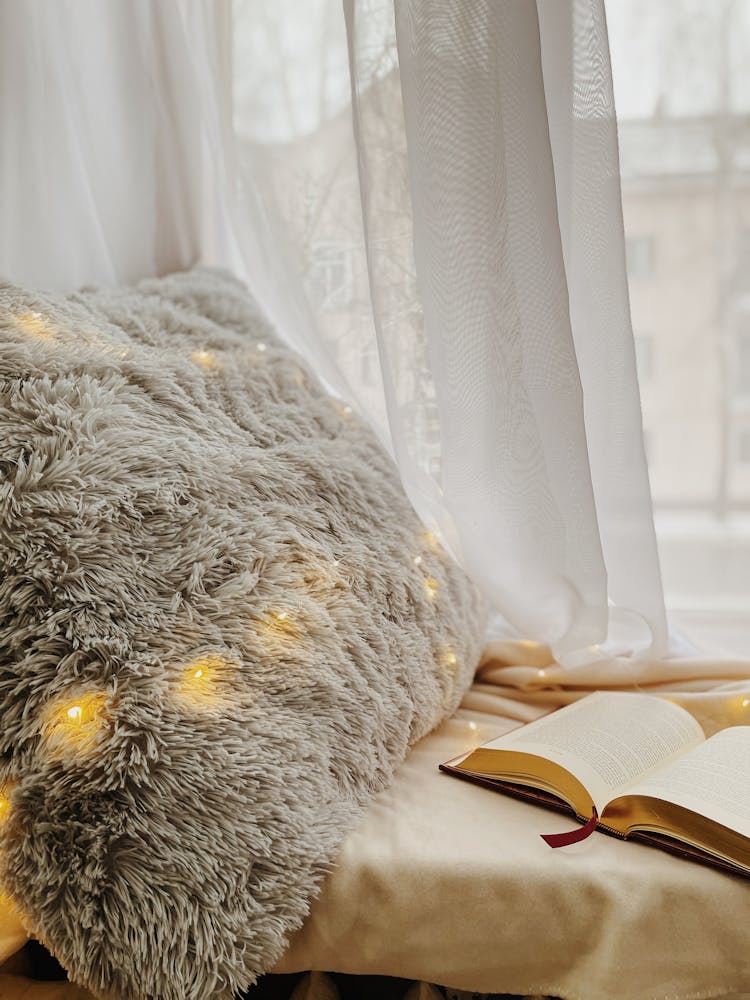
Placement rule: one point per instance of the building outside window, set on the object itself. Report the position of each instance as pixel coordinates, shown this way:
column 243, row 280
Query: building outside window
column 683, row 138
column 330, row 274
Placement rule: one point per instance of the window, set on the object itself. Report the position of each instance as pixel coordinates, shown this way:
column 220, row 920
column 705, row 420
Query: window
column 682, row 126
column 330, row 274
column 639, row 251
column 644, row 355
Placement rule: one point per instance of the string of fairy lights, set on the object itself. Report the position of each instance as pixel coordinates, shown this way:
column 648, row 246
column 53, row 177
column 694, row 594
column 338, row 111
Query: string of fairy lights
column 75, row 725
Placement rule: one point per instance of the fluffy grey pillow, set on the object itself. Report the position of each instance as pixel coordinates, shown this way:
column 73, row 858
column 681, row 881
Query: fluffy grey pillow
column 221, row 626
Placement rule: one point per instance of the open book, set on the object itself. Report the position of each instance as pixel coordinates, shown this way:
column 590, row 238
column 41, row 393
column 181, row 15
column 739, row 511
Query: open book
column 641, row 762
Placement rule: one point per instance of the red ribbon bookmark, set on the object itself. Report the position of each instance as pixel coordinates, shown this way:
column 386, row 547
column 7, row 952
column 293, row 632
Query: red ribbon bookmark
column 572, row 836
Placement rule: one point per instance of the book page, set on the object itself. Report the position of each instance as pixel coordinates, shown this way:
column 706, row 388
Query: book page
column 712, row 780
column 608, row 740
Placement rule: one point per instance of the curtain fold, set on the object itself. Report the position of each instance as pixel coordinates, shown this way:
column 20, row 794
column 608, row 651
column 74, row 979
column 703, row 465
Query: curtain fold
column 471, row 183
column 583, row 139
column 492, row 283
column 424, row 195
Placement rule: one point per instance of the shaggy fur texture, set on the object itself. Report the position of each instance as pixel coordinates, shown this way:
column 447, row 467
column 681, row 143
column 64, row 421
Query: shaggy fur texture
column 221, row 626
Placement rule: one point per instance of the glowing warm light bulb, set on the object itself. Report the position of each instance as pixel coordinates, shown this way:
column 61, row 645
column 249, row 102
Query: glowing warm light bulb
column 36, row 325
column 75, row 726
column 431, row 540
column 198, row 685
column 450, row 659
column 202, row 670
column 206, row 359
column 84, row 711
column 431, row 587
column 280, row 623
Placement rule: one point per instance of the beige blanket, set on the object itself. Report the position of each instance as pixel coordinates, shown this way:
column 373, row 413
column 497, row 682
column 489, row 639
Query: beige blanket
column 449, row 883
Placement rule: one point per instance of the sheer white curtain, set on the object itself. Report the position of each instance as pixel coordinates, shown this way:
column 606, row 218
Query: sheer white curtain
column 100, row 167
column 425, row 196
